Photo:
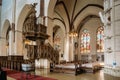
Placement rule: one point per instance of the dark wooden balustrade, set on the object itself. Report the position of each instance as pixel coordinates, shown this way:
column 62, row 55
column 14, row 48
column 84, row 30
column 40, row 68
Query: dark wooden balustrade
column 11, row 62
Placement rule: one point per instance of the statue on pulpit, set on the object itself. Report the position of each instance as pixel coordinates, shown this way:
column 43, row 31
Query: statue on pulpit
column 30, row 23
column 30, row 52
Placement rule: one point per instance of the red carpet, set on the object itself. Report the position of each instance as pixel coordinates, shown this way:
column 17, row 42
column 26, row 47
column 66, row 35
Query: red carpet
column 22, row 76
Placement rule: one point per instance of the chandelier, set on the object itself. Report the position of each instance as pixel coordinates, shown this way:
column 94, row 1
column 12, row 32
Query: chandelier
column 73, row 33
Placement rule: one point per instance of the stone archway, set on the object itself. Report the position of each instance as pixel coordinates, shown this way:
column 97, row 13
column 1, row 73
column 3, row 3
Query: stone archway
column 50, row 24
column 5, row 28
column 52, row 21
column 18, row 29
column 65, row 52
column 51, row 8
column 59, row 40
column 91, row 10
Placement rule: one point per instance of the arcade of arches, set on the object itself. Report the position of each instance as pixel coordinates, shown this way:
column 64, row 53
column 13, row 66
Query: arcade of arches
column 57, row 32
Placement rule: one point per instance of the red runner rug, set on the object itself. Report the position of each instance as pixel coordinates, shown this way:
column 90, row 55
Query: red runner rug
column 23, row 76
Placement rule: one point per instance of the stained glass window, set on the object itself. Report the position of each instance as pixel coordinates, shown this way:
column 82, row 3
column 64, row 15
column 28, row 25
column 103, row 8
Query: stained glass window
column 85, row 42
column 100, row 42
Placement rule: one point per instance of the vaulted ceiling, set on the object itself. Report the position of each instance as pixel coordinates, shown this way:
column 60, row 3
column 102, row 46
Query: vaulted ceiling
column 74, row 13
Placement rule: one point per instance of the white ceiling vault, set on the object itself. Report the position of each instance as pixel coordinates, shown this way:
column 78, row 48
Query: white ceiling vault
column 75, row 13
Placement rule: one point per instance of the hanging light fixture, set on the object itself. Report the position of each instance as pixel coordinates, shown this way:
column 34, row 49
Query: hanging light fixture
column 73, row 33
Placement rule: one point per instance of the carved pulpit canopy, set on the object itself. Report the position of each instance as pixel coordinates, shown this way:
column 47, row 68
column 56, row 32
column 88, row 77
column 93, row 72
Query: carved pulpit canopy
column 32, row 30
column 30, row 22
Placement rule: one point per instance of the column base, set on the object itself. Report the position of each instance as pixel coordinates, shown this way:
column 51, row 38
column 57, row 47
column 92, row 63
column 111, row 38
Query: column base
column 42, row 63
column 113, row 71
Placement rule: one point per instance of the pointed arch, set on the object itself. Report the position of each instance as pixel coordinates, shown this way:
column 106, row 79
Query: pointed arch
column 6, row 28
column 26, row 10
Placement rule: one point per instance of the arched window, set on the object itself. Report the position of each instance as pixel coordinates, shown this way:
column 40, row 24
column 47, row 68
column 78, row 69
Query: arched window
column 100, row 42
column 85, row 42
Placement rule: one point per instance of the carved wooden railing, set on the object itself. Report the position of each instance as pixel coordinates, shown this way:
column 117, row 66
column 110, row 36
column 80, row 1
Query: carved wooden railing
column 45, row 51
column 11, row 62
column 53, row 54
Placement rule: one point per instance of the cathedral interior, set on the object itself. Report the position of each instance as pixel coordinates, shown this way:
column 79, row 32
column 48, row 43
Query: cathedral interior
column 61, row 39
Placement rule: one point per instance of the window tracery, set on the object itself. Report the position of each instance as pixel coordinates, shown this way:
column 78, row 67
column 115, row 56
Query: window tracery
column 100, row 42
column 85, row 42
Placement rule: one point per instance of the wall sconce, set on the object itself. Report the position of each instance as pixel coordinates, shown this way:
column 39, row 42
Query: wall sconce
column 27, row 42
column 108, row 20
column 109, row 50
column 107, row 37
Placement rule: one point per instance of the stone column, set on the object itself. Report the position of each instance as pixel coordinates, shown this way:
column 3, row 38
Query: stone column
column 66, row 48
column 18, row 43
column 112, row 54
column 109, row 31
column 17, row 35
column 50, row 30
column 42, row 8
column 116, row 27
column 11, row 46
column 3, row 49
column 12, row 32
column 71, row 49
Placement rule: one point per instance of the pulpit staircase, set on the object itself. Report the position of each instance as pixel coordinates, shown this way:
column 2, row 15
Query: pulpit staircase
column 33, row 31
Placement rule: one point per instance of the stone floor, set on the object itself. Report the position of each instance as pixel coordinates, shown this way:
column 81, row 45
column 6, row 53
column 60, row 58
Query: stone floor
column 86, row 76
